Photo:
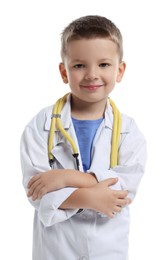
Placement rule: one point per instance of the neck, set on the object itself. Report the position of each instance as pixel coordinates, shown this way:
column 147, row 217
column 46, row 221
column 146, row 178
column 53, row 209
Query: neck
column 81, row 109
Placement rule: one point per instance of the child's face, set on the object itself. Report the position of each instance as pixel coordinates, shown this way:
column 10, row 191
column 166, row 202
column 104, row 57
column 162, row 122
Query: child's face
column 91, row 68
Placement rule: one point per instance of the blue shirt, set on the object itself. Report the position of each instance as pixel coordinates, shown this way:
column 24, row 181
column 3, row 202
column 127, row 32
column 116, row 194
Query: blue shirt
column 85, row 132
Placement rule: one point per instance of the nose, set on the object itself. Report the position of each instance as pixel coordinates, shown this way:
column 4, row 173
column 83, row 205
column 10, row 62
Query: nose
column 91, row 74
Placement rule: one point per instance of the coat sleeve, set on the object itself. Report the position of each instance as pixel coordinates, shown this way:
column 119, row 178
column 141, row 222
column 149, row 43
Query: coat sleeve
column 132, row 159
column 34, row 159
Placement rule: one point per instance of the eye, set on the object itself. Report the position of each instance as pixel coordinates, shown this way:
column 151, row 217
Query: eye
column 104, row 65
column 78, row 66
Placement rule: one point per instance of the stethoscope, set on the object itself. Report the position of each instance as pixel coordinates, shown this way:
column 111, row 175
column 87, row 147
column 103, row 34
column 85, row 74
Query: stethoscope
column 56, row 121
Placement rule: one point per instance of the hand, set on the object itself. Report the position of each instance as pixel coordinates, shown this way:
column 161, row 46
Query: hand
column 105, row 200
column 45, row 182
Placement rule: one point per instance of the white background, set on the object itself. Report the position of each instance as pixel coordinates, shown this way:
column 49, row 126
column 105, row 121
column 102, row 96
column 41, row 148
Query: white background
column 29, row 80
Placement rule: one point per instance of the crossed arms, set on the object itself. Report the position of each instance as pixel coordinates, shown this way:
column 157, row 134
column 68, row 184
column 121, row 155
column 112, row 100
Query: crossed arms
column 89, row 193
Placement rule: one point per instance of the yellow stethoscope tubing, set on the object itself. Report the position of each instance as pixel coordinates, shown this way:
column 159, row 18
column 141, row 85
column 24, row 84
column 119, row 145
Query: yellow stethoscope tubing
column 56, row 122
column 115, row 135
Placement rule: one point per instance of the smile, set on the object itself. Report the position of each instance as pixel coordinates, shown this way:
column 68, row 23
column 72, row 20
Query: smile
column 91, row 87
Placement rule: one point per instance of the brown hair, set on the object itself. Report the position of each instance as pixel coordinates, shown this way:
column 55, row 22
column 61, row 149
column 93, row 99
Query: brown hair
column 89, row 27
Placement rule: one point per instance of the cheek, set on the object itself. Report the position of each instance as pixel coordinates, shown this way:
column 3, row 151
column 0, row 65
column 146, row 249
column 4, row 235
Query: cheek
column 114, row 75
column 111, row 77
column 74, row 77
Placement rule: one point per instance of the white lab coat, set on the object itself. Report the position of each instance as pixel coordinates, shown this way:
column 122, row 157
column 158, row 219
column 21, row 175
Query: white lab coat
column 66, row 234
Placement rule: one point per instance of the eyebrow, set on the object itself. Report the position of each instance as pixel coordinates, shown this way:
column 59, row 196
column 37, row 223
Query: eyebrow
column 78, row 60
column 105, row 59
column 101, row 60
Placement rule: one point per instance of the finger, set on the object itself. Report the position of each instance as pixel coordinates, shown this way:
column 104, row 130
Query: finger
column 42, row 192
column 117, row 209
column 122, row 202
column 37, row 192
column 129, row 201
column 33, row 179
column 33, row 187
column 121, row 194
column 111, row 181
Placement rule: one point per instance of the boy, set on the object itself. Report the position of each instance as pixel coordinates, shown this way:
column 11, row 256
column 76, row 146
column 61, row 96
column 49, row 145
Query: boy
column 83, row 213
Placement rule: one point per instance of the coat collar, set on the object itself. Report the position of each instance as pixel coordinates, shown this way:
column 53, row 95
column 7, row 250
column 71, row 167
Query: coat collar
column 66, row 117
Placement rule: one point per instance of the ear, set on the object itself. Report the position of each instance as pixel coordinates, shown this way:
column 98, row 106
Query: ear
column 63, row 72
column 121, row 70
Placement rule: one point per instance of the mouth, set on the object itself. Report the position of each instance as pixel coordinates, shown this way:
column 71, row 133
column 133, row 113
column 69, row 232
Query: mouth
column 91, row 87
